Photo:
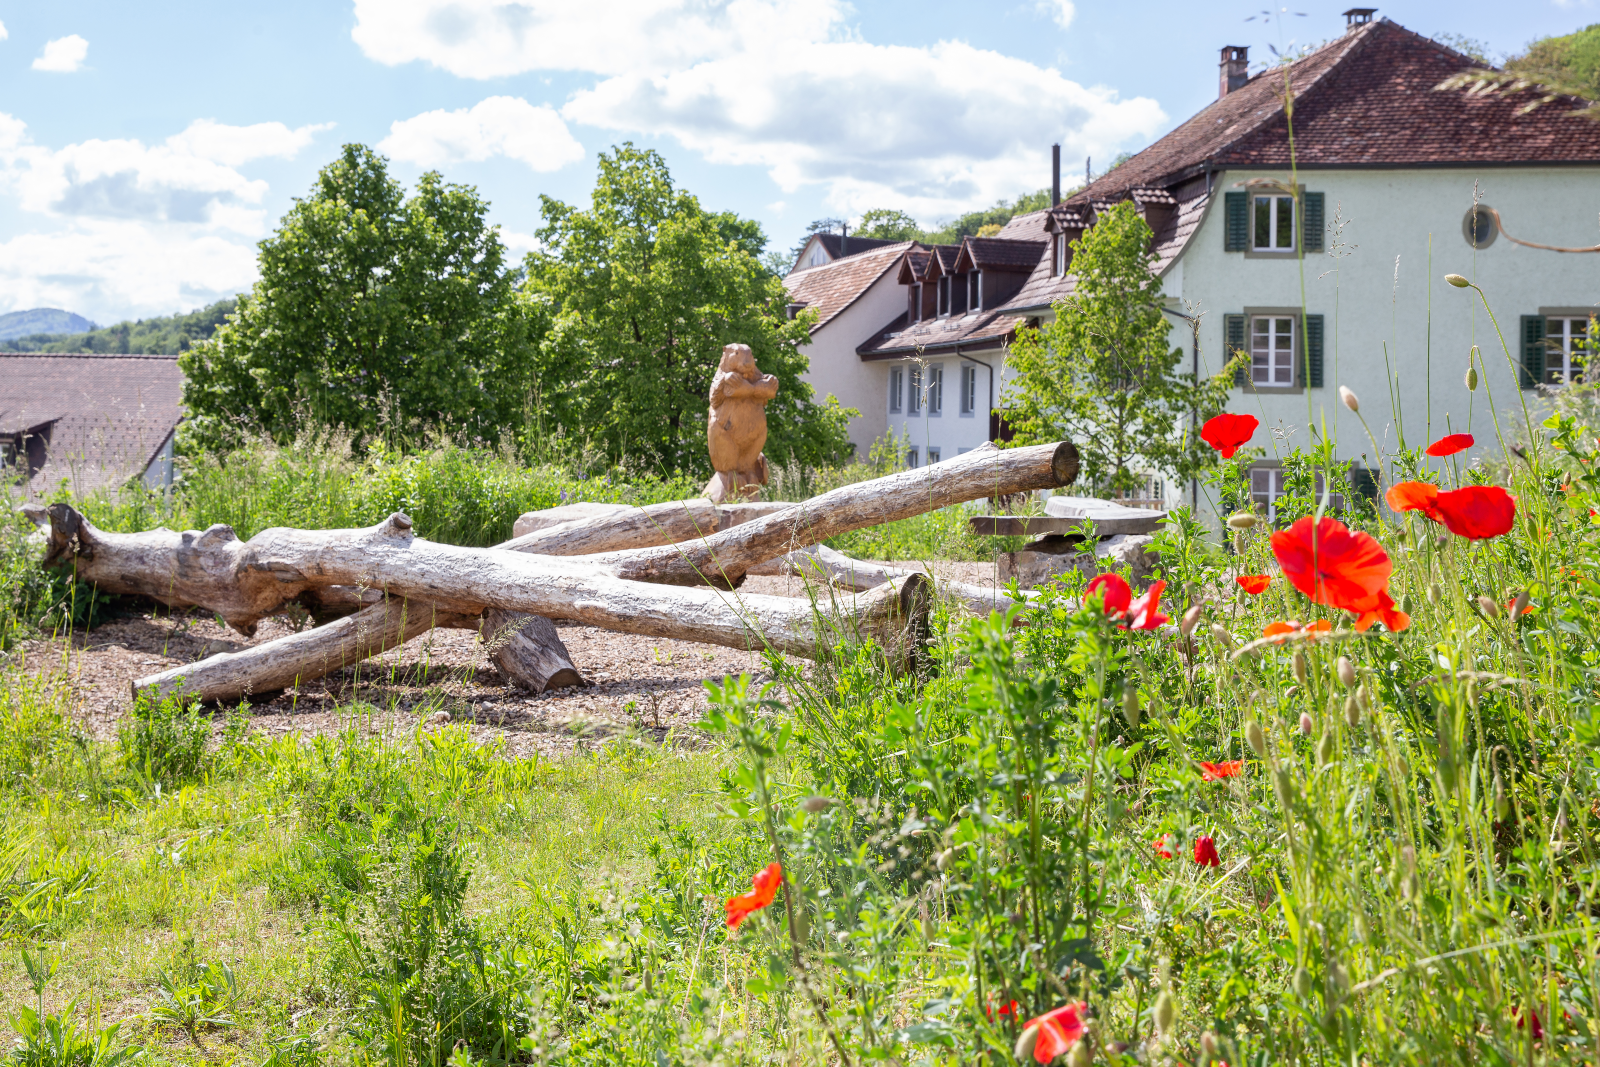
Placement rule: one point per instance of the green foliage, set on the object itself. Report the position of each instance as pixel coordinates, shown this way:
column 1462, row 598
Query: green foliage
column 199, row 999
column 888, row 224
column 1102, row 374
column 164, row 738
column 164, row 335
column 1568, row 64
column 1001, row 213
column 643, row 290
column 47, row 1039
column 375, row 314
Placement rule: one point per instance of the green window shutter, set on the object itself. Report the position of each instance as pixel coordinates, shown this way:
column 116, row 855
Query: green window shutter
column 1314, row 351
column 1236, row 234
column 1233, row 336
column 1532, row 351
column 1312, row 218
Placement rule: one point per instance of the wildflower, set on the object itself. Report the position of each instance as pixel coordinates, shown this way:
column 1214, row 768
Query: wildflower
column 1477, row 512
column 1057, row 1030
column 1163, row 846
column 1451, row 444
column 1348, row 398
column 1254, row 584
column 1115, row 592
column 1226, row 433
column 1006, row 1009
column 1205, row 851
column 1216, row 772
column 1274, row 629
column 1415, row 496
column 1145, row 613
column 766, row 882
column 1522, row 1023
column 1339, row 567
column 1520, row 605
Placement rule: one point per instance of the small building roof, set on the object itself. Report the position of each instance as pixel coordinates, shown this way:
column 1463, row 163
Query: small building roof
column 832, row 287
column 107, row 416
column 985, row 329
column 838, row 247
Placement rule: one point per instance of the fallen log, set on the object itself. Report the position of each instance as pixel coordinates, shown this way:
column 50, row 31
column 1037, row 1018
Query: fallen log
column 820, row 561
column 528, row 651
column 578, row 529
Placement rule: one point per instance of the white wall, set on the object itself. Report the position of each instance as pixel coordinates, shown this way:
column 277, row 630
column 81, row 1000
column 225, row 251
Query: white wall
column 1378, row 336
column 837, row 370
column 950, row 432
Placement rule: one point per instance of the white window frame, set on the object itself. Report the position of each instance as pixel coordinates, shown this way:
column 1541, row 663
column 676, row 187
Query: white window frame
column 933, row 455
column 897, row 384
column 1268, row 375
column 914, row 390
column 1558, row 347
column 913, row 304
column 935, row 390
column 1061, row 255
column 1274, row 203
column 969, row 390
column 1266, row 486
column 818, row 257
column 911, row 458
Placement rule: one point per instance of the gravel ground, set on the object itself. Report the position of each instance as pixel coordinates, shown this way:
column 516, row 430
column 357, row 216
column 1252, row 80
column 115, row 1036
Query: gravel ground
column 651, row 685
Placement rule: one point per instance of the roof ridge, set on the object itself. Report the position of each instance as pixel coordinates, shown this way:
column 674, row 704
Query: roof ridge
column 96, row 355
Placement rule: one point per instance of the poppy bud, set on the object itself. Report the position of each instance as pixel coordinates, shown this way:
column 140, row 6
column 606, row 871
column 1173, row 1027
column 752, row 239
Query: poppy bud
column 1349, row 398
column 1166, row 1013
column 1224, row 638
column 1256, row 737
column 1472, row 379
column 1364, row 698
column 1489, row 607
column 1346, row 672
column 1457, row 280
column 1435, row 594
column 1519, row 606
column 1079, row 1055
column 1472, row 694
column 1302, row 983
column 1408, row 859
column 943, row 861
column 1306, row 723
column 1283, row 785
column 1352, row 712
column 1025, row 1043
column 1208, row 1047
column 1130, row 704
column 1241, row 541
column 1241, row 520
column 1191, row 619
column 1325, row 748
column 1502, row 804
column 813, row 805
column 1300, row 666
column 1408, row 605
column 1338, row 980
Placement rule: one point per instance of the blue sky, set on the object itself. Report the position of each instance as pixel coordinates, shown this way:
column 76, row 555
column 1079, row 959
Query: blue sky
column 146, row 148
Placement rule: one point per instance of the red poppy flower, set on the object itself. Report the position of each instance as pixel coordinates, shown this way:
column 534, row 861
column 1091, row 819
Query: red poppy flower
column 1332, row 564
column 1415, row 496
column 1226, row 432
column 1276, row 629
column 1216, row 772
column 1005, row 1010
column 766, row 882
column 1477, row 512
column 1205, row 851
column 1163, row 847
column 1450, row 445
column 1254, row 584
column 1057, row 1031
column 1115, row 591
column 1522, row 1023
column 1145, row 613
column 1382, row 610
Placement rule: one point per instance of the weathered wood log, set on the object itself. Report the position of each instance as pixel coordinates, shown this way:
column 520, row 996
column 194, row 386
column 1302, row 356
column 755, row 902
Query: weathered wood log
column 593, row 527
column 302, row 657
column 822, row 562
column 528, row 651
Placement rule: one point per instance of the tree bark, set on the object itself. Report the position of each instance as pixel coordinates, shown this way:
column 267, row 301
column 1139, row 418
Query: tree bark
column 528, row 651
column 820, row 561
column 634, row 527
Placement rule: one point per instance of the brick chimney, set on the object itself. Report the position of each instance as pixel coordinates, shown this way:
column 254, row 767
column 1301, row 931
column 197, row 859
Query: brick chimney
column 1234, row 70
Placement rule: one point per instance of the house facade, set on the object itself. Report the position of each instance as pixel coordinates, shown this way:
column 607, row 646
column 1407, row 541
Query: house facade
column 1327, row 274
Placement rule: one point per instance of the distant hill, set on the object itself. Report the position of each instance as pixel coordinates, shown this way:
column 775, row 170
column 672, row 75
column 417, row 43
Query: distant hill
column 167, row 335
column 42, row 320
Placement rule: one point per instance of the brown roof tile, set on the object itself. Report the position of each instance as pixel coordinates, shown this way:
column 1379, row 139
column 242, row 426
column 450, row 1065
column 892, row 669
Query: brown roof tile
column 896, row 340
column 834, row 286
column 1000, row 253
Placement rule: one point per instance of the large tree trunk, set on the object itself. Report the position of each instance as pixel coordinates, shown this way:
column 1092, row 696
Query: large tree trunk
column 822, row 562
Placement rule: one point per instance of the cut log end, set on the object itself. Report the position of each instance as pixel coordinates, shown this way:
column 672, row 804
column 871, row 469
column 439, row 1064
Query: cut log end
column 528, row 650
column 1064, row 463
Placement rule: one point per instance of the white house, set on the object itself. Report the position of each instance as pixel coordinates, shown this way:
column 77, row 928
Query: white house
column 1331, row 275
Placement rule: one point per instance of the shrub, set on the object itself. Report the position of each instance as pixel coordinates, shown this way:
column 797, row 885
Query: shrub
column 164, row 738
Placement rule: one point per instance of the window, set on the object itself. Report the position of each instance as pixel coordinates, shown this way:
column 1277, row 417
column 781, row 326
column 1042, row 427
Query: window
column 913, row 303
column 1274, row 224
column 1266, row 486
column 936, row 389
column 1061, row 255
column 944, row 295
column 1566, row 342
column 819, row 256
column 933, row 456
column 911, row 457
column 897, row 382
column 914, row 391
column 1272, row 350
column 1478, row 227
column 975, row 290
column 969, row 390
column 958, row 294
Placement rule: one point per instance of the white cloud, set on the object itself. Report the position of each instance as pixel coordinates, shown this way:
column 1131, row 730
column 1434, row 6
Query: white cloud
column 931, row 130
column 233, row 145
column 62, row 55
column 1060, row 10
column 499, row 126
column 493, row 38
column 3, row 33
column 519, row 244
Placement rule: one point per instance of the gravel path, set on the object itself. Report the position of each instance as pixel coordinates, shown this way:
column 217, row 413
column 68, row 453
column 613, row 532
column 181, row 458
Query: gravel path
column 651, row 685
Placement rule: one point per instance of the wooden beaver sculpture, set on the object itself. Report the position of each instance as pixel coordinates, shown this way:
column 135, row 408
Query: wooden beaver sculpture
column 736, row 428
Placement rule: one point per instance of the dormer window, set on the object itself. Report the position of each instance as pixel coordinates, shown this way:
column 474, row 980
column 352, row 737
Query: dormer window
column 975, row 290
column 1061, row 255
column 914, row 304
column 944, row 296
column 958, row 295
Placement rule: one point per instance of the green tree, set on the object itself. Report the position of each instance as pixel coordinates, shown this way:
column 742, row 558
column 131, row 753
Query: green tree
column 167, row 335
column 374, row 312
column 1570, row 64
column 643, row 289
column 888, row 224
column 1102, row 374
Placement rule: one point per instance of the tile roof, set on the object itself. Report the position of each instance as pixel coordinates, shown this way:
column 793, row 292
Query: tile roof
column 896, row 340
column 110, row 414
column 1001, row 253
column 834, row 286
column 1029, row 227
column 1368, row 98
column 836, row 246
